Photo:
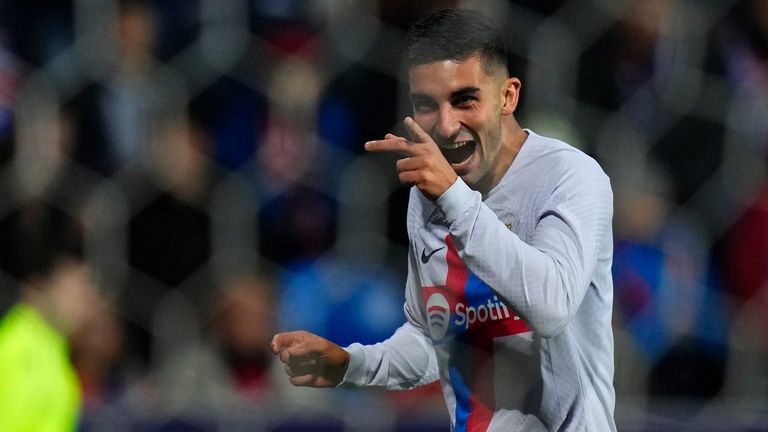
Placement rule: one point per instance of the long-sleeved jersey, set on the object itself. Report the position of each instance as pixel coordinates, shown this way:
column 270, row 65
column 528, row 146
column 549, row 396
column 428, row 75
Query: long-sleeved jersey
column 509, row 299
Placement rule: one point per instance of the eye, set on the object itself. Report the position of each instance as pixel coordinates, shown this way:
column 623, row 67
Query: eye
column 424, row 106
column 463, row 101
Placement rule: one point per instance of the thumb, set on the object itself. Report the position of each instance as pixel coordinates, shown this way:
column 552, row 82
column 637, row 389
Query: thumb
column 417, row 133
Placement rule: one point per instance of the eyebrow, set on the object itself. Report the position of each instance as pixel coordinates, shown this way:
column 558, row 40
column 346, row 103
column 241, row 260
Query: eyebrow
column 464, row 91
column 460, row 92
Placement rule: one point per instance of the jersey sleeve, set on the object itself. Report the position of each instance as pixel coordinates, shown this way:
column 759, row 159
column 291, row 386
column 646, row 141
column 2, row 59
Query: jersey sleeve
column 546, row 279
column 404, row 361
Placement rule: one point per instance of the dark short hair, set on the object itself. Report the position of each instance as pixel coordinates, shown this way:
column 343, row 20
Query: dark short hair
column 455, row 34
column 36, row 237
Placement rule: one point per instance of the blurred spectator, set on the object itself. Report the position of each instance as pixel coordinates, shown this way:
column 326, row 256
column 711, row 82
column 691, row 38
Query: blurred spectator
column 740, row 51
column 291, row 152
column 41, row 194
column 633, row 73
column 38, row 386
column 744, row 256
column 169, row 234
column 740, row 54
column 220, row 365
column 297, row 172
column 625, row 60
column 113, row 117
column 746, row 253
column 97, row 353
column 667, row 298
column 10, row 77
column 242, row 328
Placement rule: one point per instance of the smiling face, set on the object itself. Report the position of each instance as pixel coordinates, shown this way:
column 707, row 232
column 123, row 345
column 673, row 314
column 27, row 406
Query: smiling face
column 463, row 108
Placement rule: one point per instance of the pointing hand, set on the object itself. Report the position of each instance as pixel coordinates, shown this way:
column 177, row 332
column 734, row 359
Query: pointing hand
column 424, row 165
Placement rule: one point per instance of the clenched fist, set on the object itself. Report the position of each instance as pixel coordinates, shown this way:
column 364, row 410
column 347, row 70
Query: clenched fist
column 310, row 360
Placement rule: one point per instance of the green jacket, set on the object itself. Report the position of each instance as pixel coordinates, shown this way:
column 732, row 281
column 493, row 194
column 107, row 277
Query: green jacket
column 39, row 390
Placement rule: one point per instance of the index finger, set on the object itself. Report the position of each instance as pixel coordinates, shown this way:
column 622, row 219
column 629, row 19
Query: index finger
column 392, row 144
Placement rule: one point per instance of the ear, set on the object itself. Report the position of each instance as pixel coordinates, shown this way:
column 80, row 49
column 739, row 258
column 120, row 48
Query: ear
column 510, row 96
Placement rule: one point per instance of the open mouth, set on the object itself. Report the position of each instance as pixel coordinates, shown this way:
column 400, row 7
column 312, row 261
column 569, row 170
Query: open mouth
column 458, row 152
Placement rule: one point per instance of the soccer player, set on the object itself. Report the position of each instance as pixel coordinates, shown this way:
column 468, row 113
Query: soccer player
column 509, row 293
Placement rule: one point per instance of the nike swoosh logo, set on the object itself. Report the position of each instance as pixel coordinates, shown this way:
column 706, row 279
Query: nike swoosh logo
column 425, row 257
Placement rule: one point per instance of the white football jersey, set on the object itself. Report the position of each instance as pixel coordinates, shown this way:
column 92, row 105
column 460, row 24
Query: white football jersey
column 509, row 299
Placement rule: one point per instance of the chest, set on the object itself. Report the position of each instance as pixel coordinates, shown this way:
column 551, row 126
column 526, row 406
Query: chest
column 453, row 300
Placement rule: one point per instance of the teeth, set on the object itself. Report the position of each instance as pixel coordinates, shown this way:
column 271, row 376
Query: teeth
column 453, row 146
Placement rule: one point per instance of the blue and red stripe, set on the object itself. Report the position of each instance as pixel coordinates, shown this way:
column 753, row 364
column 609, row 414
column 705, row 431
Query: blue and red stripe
column 471, row 366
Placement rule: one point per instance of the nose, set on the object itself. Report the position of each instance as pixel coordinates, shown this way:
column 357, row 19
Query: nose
column 448, row 124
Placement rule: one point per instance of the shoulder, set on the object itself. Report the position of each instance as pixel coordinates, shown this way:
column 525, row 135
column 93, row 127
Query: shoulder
column 561, row 155
column 562, row 162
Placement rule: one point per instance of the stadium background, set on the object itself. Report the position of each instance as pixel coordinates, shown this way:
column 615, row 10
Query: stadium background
column 208, row 156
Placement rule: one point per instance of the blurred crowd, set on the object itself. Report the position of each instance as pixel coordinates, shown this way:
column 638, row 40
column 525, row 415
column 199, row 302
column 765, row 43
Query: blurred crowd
column 197, row 170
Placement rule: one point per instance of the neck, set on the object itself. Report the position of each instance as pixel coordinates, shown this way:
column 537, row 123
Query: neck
column 33, row 297
column 512, row 137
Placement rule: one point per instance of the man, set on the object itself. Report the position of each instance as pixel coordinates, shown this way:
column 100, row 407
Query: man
column 509, row 292
column 39, row 388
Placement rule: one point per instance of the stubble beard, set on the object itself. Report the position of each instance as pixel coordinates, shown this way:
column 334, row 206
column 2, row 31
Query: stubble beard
column 486, row 181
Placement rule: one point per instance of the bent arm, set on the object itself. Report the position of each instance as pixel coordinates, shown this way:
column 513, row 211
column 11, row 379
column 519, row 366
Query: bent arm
column 546, row 279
